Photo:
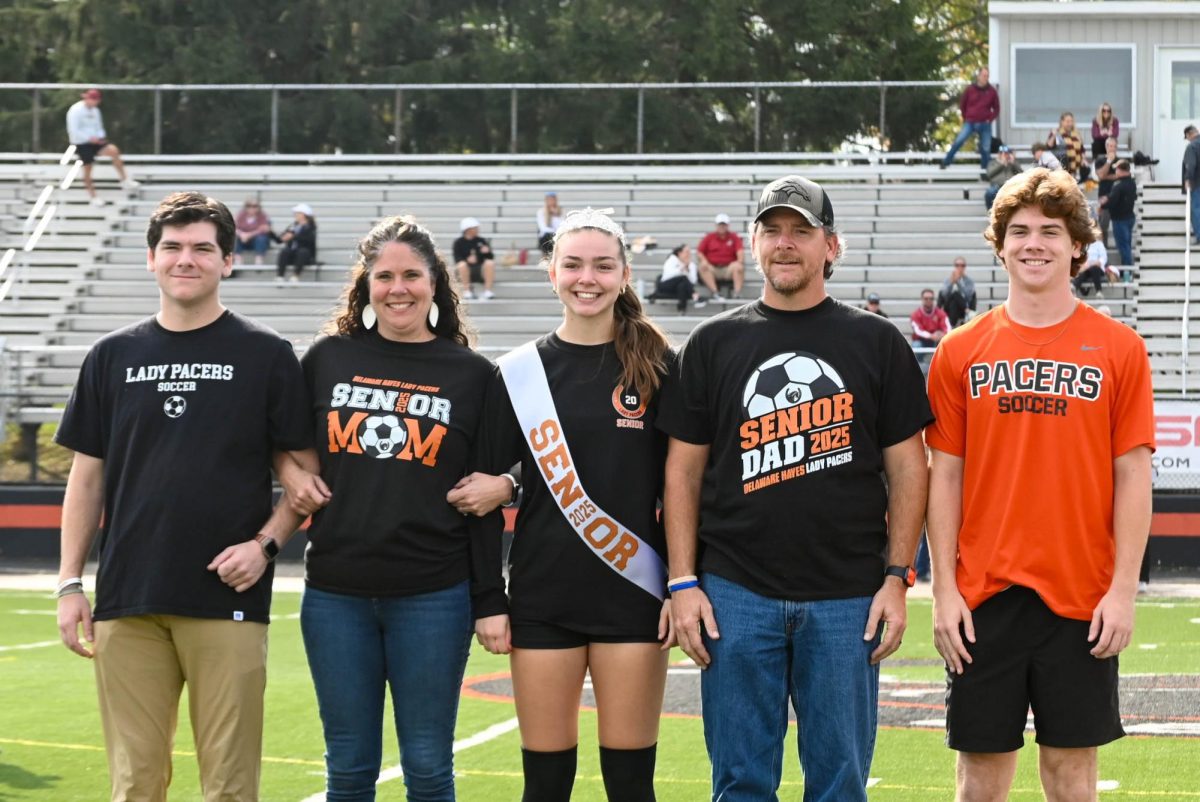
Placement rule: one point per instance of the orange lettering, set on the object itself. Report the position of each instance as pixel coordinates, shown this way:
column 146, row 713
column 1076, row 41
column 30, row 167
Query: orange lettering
column 426, row 449
column 843, row 406
column 786, row 422
column 625, row 548
column 556, row 457
column 544, row 435
column 343, row 438
column 749, row 433
column 567, row 490
column 822, row 411
column 603, row 540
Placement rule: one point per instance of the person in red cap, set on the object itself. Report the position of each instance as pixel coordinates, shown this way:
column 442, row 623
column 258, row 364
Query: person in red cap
column 85, row 130
column 720, row 254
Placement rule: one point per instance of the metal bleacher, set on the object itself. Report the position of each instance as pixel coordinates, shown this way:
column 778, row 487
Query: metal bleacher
column 904, row 226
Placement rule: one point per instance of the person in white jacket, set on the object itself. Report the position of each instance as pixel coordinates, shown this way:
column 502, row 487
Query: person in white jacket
column 85, row 130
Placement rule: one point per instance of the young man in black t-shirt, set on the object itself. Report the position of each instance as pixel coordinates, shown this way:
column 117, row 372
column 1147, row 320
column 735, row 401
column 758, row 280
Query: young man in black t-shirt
column 473, row 262
column 790, row 413
column 174, row 422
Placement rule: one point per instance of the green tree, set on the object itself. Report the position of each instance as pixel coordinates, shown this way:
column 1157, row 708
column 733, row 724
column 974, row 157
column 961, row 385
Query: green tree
column 469, row 42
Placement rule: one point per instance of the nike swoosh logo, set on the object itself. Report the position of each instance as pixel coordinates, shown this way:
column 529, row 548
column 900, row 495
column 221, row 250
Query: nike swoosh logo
column 1090, row 347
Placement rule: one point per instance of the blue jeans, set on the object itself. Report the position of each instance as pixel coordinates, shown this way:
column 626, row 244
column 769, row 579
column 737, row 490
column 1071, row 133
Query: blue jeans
column 1123, row 234
column 985, row 142
column 770, row 650
column 258, row 243
column 418, row 646
column 1195, row 193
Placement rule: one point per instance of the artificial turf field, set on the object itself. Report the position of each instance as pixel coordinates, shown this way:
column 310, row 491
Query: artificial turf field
column 51, row 748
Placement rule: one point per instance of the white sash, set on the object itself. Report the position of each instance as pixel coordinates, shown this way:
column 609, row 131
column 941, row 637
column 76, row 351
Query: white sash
column 613, row 543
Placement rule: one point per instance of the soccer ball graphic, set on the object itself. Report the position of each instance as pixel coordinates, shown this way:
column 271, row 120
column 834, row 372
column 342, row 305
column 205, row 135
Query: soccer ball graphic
column 380, row 436
column 175, row 406
column 788, row 379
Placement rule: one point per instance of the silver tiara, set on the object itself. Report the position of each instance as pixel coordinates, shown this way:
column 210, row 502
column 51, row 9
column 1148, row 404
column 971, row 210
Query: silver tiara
column 591, row 218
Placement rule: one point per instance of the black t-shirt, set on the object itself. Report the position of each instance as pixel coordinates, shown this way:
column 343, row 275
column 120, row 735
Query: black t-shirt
column 797, row 408
column 478, row 246
column 186, row 423
column 554, row 577
column 1105, row 185
column 394, row 424
column 1122, row 199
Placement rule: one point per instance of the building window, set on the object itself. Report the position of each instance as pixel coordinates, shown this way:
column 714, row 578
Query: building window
column 1185, row 90
column 1051, row 79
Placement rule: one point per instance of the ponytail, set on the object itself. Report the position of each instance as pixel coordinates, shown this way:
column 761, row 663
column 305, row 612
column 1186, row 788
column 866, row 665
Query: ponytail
column 641, row 345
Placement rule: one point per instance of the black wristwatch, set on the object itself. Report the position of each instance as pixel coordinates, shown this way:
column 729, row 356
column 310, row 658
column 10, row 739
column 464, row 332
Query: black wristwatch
column 907, row 574
column 270, row 548
column 516, row 490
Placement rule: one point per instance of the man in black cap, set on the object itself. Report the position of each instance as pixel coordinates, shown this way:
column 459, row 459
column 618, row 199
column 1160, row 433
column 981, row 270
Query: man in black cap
column 873, row 305
column 789, row 411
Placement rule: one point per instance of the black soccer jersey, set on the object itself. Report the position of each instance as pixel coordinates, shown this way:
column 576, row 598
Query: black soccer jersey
column 797, row 407
column 394, row 426
column 186, row 423
column 554, row 577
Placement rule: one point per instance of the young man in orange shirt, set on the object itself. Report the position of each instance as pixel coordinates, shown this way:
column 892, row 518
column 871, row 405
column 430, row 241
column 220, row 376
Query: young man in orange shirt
column 1039, row 505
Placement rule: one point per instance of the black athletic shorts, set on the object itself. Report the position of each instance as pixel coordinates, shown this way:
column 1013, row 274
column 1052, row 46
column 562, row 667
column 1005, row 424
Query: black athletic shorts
column 528, row 634
column 88, row 150
column 1027, row 656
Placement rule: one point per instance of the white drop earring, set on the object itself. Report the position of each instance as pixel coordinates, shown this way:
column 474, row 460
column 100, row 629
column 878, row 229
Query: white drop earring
column 434, row 315
column 368, row 317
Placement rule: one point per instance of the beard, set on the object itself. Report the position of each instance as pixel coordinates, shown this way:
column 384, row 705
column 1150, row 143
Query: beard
column 792, row 283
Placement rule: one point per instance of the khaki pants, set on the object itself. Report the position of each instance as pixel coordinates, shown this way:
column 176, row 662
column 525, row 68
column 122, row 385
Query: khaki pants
column 142, row 663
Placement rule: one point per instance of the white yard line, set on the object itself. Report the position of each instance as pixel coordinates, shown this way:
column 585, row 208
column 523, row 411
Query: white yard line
column 42, row 644
column 483, row 736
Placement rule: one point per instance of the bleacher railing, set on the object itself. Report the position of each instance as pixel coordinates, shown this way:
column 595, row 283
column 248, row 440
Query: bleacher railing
column 389, row 105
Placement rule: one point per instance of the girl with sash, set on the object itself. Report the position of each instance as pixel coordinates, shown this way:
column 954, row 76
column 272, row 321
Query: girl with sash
column 395, row 578
column 587, row 575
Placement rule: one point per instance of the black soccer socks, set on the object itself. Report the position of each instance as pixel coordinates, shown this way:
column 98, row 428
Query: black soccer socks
column 628, row 773
column 549, row 776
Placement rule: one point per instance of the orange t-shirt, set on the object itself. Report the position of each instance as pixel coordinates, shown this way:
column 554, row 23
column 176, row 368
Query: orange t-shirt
column 1038, row 415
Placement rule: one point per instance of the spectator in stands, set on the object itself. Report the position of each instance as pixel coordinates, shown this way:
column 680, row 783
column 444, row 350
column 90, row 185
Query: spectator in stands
column 873, row 304
column 999, row 171
column 1067, row 146
column 299, row 243
column 253, row 232
column 957, row 296
column 1042, row 157
column 1095, row 270
column 473, row 262
column 1105, row 126
column 85, row 131
column 980, row 106
column 1106, row 174
column 549, row 217
column 174, row 423
column 1120, row 204
column 1191, row 177
column 720, row 255
column 929, row 323
column 678, row 279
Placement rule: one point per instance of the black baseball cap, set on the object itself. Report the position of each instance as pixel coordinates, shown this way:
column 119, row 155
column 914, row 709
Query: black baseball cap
column 799, row 194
